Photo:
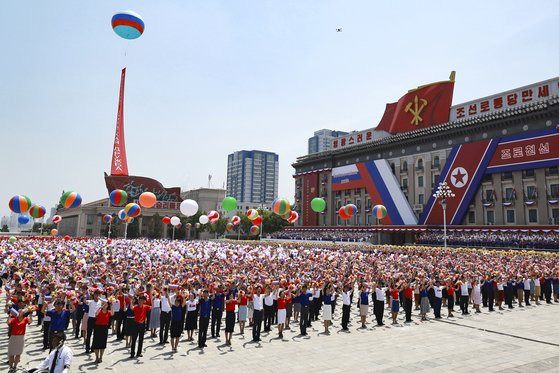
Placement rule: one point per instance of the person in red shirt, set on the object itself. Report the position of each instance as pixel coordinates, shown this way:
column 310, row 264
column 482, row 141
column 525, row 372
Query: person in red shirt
column 395, row 302
column 101, row 330
column 140, row 314
column 243, row 309
column 408, row 300
column 282, row 302
column 230, row 304
column 18, row 327
column 288, row 307
column 450, row 297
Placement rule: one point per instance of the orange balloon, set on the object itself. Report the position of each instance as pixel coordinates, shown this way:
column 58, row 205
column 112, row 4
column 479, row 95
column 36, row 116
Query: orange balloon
column 147, row 199
column 54, row 232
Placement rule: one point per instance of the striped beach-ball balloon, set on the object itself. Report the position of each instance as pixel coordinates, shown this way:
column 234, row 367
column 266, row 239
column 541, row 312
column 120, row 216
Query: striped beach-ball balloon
column 128, row 24
column 132, row 210
column 254, row 230
column 213, row 216
column 252, row 214
column 122, row 214
column 71, row 200
column 236, row 220
column 281, row 206
column 107, row 218
column 293, row 217
column 343, row 214
column 19, row 204
column 229, row 227
column 379, row 211
column 128, row 220
column 56, row 219
column 118, row 197
column 350, row 209
column 37, row 211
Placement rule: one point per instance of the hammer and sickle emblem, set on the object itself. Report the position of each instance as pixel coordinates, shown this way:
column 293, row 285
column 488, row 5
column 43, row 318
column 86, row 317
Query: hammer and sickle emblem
column 415, row 109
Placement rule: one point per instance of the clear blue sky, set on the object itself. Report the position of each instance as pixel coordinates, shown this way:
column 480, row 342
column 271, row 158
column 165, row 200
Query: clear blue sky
column 211, row 77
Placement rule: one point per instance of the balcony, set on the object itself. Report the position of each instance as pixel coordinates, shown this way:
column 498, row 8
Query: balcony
column 403, row 170
column 419, row 168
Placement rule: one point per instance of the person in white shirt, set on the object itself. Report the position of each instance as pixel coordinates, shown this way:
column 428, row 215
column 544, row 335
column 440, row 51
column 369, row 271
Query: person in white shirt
column 438, row 299
column 164, row 317
column 94, row 304
column 59, row 359
column 257, row 300
column 464, row 296
column 346, row 307
column 378, row 306
column 268, row 309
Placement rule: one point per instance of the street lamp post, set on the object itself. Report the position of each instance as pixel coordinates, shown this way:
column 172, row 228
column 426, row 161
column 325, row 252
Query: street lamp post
column 442, row 193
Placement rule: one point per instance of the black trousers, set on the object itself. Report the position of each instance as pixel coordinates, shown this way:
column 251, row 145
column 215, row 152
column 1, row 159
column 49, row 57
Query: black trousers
column 464, row 304
column 450, row 303
column 119, row 320
column 491, row 299
column 345, row 315
column 46, row 328
column 217, row 314
column 146, row 322
column 256, row 324
column 39, row 315
column 164, row 324
column 268, row 317
column 304, row 321
column 527, row 297
column 275, row 312
column 408, row 303
column 437, row 307
column 547, row 291
column 79, row 318
column 203, row 330
column 140, row 328
column 316, row 308
column 484, row 296
column 90, row 327
column 379, row 311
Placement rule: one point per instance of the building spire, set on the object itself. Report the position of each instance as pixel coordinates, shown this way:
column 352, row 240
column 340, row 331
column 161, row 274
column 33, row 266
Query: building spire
column 119, row 165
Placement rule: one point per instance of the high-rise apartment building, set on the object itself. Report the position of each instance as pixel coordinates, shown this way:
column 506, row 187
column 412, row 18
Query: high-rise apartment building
column 322, row 140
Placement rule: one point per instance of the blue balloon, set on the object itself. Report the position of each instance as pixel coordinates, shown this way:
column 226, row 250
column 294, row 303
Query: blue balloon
column 23, row 219
column 128, row 24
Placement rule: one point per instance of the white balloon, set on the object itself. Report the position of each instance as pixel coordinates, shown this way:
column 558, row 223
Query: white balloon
column 203, row 219
column 189, row 207
column 175, row 221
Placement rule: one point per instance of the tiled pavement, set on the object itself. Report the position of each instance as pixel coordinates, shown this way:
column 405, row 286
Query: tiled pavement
column 521, row 340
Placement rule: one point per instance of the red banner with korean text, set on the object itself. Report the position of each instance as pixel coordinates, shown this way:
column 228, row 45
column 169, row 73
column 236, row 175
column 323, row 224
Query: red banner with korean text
column 310, row 191
column 119, row 164
column 425, row 106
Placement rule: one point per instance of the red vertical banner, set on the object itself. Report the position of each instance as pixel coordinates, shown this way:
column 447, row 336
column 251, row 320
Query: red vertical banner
column 310, row 191
column 119, row 164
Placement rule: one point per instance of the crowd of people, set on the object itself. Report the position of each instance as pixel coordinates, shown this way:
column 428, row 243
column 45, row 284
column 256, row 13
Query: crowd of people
column 489, row 238
column 333, row 235
column 180, row 291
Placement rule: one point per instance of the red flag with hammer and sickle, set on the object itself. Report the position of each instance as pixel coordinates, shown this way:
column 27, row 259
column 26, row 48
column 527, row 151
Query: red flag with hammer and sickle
column 424, row 106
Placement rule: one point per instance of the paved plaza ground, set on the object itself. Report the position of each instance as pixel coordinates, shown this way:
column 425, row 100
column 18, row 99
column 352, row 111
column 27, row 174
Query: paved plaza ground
column 519, row 340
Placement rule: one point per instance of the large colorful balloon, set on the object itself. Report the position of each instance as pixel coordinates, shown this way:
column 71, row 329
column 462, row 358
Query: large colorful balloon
column 166, row 220
column 23, row 219
column 188, row 226
column 203, row 219
column 189, row 207
column 175, row 220
column 118, row 197
column 122, row 214
column 351, row 209
column 252, row 214
column 229, row 204
column 147, row 200
column 286, row 215
column 254, row 230
column 213, row 216
column 132, row 210
column 343, row 214
column 379, row 211
column 128, row 220
column 293, row 217
column 70, row 200
column 37, row 211
column 107, row 218
column 281, row 206
column 229, row 227
column 19, row 204
column 54, row 232
column 318, row 204
column 56, row 219
column 128, row 24
column 236, row 220
column 66, row 238
column 12, row 239
column 257, row 220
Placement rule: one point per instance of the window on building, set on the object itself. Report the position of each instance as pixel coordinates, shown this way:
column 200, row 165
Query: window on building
column 393, row 168
column 420, row 164
column 90, row 219
column 552, row 171
column 555, row 216
column 404, row 166
column 339, row 204
column 338, row 194
column 508, row 193
column 369, row 219
column 358, row 219
column 358, row 204
column 488, row 194
column 436, row 162
column 532, row 216
column 487, row 178
column 554, row 190
column 531, row 192
column 529, row 172
column 435, row 179
column 507, row 176
column 420, row 181
column 510, row 216
column 471, row 217
column 88, row 232
column 404, row 183
column 490, row 217
column 420, row 198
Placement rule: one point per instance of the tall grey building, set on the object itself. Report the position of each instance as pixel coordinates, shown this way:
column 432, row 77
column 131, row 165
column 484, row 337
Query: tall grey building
column 322, row 140
column 252, row 176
